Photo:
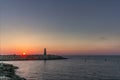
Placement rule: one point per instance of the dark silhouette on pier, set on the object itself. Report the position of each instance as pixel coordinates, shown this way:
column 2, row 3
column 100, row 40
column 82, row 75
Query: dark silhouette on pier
column 45, row 54
column 105, row 59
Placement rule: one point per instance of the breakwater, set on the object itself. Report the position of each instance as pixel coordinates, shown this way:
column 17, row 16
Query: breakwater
column 30, row 57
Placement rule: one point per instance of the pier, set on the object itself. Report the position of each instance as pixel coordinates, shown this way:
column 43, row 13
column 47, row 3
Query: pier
column 45, row 56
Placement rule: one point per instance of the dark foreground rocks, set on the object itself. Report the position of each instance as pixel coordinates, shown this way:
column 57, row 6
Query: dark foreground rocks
column 7, row 72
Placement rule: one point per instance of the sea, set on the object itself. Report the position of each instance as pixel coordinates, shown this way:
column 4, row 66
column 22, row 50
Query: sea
column 82, row 67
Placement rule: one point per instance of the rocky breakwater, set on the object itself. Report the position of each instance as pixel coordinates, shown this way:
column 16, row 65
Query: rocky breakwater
column 7, row 72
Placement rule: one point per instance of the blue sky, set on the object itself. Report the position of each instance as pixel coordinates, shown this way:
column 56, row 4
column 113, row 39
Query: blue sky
column 67, row 25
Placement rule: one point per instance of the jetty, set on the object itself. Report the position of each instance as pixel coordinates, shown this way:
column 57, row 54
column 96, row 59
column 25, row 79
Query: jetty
column 45, row 56
column 7, row 72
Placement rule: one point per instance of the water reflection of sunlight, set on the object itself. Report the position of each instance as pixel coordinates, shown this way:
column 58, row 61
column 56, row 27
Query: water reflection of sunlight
column 27, row 70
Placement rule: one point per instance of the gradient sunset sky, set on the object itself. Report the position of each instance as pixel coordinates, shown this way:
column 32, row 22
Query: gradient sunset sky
column 62, row 26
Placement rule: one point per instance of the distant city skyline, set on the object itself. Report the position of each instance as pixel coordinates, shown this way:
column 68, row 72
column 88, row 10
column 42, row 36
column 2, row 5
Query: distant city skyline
column 62, row 26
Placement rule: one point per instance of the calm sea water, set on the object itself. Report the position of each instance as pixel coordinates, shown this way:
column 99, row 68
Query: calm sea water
column 74, row 68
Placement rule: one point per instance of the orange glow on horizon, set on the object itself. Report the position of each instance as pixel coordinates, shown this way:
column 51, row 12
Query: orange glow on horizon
column 24, row 53
column 79, row 49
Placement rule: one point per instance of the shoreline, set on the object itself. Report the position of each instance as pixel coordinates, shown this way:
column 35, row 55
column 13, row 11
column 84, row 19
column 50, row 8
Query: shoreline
column 8, row 72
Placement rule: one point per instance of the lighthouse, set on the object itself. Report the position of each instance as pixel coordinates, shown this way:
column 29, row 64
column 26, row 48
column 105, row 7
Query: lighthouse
column 45, row 53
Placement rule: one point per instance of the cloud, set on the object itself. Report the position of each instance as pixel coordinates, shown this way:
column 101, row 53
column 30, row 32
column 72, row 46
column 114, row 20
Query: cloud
column 100, row 39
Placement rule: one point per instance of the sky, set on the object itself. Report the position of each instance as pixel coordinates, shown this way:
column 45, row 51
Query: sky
column 62, row 26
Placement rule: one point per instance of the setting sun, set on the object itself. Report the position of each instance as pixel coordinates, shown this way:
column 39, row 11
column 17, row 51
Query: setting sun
column 24, row 53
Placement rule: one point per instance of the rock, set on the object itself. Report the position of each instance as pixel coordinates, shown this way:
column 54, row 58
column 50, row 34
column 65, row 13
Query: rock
column 7, row 72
